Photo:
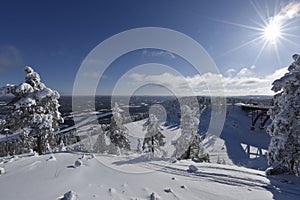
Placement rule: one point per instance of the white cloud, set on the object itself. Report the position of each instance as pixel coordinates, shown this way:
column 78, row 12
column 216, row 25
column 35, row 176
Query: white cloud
column 245, row 72
column 245, row 82
column 290, row 11
column 230, row 72
column 94, row 62
column 158, row 53
column 137, row 77
column 9, row 57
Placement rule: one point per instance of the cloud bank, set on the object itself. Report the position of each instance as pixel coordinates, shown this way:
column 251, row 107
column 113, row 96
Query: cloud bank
column 243, row 82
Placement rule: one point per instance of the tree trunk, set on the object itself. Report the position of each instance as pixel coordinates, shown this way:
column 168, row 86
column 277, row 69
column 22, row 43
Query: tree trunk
column 39, row 145
column 291, row 164
column 152, row 144
column 188, row 153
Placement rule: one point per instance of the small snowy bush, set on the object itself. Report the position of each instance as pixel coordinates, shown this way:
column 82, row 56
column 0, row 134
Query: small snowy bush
column 2, row 170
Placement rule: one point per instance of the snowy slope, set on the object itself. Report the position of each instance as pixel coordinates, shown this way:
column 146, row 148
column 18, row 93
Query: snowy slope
column 133, row 176
column 112, row 177
column 237, row 142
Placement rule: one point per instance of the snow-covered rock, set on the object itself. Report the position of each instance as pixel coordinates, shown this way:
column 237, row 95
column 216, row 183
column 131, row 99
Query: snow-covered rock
column 168, row 190
column 51, row 158
column 112, row 191
column 192, row 168
column 71, row 195
column 78, row 163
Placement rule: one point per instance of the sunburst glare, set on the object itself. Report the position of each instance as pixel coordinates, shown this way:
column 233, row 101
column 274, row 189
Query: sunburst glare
column 273, row 29
column 272, row 32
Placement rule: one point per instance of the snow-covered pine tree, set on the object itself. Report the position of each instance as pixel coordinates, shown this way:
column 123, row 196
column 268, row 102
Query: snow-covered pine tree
column 100, row 145
column 34, row 107
column 154, row 138
column 188, row 145
column 117, row 132
column 284, row 147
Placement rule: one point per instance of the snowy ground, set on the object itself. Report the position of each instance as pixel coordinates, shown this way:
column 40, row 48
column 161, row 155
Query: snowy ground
column 112, row 177
column 132, row 176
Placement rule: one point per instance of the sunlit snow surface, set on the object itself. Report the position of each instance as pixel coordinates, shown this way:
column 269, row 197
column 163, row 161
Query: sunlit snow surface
column 38, row 177
column 133, row 176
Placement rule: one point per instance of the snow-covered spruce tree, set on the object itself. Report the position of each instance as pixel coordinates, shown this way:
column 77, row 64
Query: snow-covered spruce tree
column 284, row 148
column 35, row 108
column 117, row 132
column 188, row 145
column 154, row 138
column 100, row 145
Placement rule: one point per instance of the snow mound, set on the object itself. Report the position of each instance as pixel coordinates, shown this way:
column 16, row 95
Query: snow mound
column 2, row 170
column 71, row 195
column 154, row 196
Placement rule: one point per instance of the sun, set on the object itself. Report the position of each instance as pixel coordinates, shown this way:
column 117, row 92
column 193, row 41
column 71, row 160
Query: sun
column 272, row 32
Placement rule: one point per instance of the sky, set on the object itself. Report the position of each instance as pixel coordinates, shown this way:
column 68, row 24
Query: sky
column 249, row 44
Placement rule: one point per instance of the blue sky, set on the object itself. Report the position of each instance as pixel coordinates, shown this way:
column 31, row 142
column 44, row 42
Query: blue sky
column 55, row 37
